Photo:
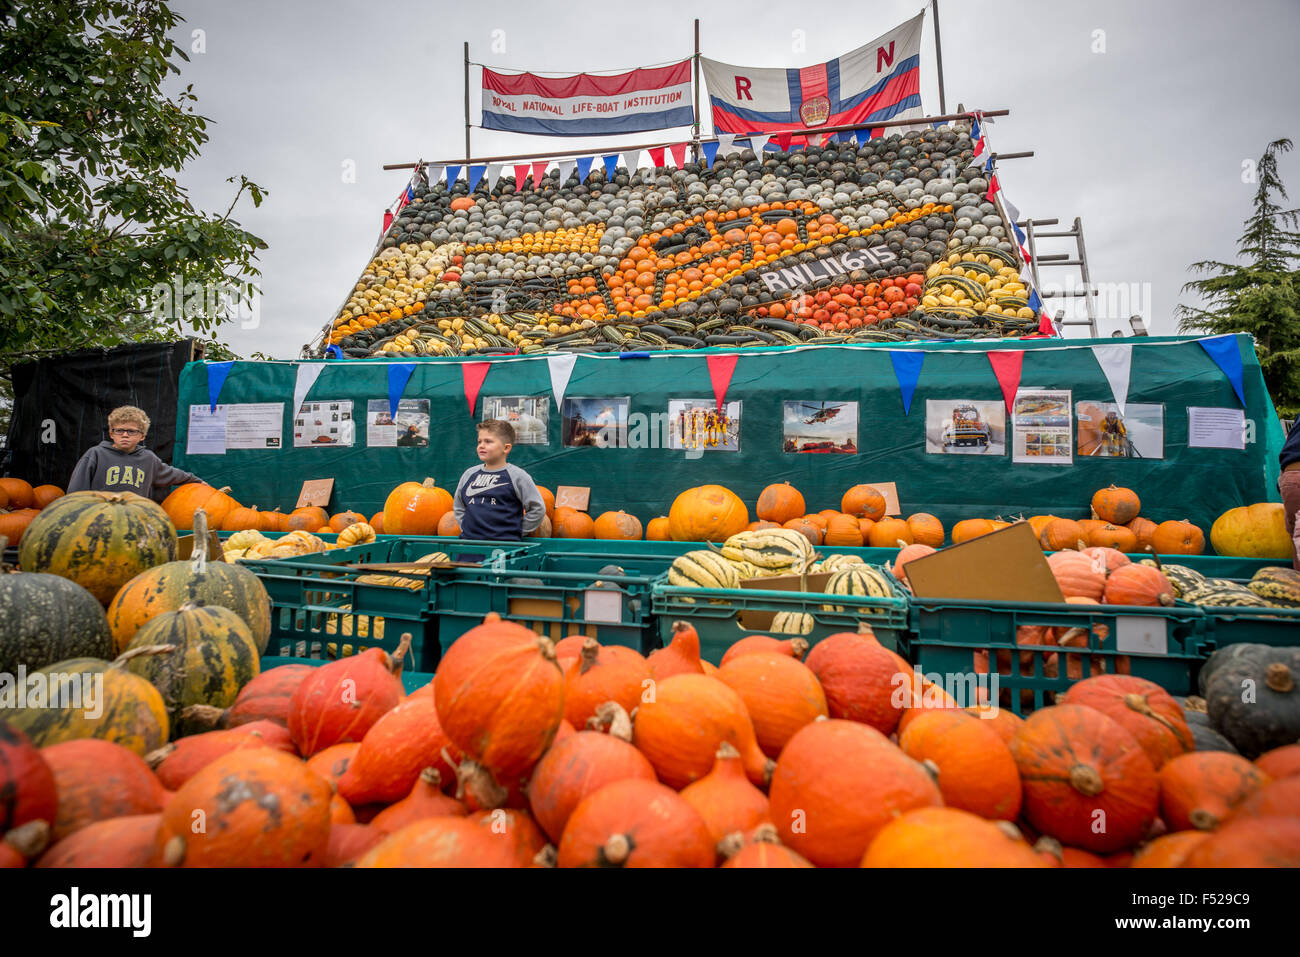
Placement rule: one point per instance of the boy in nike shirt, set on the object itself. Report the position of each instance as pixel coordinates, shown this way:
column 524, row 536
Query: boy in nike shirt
column 497, row 501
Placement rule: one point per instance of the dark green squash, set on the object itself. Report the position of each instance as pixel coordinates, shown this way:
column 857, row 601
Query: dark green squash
column 214, row 656
column 1253, row 696
column 167, row 587
column 121, row 707
column 46, row 618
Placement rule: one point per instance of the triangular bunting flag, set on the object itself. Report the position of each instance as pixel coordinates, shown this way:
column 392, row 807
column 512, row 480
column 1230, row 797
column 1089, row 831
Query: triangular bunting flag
column 907, row 370
column 388, row 219
column 678, row 151
column 725, row 141
column 521, row 176
column 1013, row 214
column 399, row 373
column 721, row 368
column 473, row 373
column 994, row 187
column 656, row 155
column 217, row 372
column 611, row 164
column 710, row 150
column 561, row 367
column 565, row 167
column 1116, row 361
column 539, row 171
column 783, row 141
column 435, row 173
column 475, row 175
column 862, row 136
column 1006, row 368
column 1223, row 350
column 584, row 167
column 453, row 174
column 632, row 159
column 493, row 174
column 308, row 373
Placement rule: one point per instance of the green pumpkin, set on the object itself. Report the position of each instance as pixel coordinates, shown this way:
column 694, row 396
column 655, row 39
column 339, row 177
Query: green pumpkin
column 1253, row 696
column 100, row 540
column 168, row 587
column 121, row 707
column 45, row 618
column 214, row 656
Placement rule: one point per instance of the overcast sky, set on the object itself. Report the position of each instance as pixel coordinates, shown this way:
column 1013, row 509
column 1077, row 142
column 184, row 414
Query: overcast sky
column 1145, row 141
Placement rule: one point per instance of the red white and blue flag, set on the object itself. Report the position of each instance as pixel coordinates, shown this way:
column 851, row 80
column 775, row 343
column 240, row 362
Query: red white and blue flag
column 653, row 98
column 878, row 81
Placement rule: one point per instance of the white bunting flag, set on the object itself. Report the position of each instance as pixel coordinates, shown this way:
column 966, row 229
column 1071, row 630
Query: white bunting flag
column 632, row 159
column 566, row 168
column 724, row 143
column 308, row 373
column 1116, row 361
column 561, row 367
column 493, row 174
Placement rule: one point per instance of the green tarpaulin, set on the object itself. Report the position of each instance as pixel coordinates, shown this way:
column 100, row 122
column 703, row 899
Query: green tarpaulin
column 1193, row 483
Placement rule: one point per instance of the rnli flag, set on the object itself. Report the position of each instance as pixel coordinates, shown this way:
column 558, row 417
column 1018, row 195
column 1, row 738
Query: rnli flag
column 876, row 82
column 588, row 105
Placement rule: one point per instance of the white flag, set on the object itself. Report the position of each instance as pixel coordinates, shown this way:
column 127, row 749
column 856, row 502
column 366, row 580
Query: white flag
column 631, row 159
column 1115, row 361
column 724, row 143
column 566, row 168
column 561, row 367
column 308, row 373
column 493, row 174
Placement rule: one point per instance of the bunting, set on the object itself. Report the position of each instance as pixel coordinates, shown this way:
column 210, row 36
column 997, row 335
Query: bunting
column 561, row 368
column 493, row 174
column 678, row 151
column 721, row 369
column 656, row 156
column 611, row 164
column 473, row 374
column 399, row 373
column 1223, row 350
column 475, row 175
column 1006, row 369
column 217, row 373
column 907, row 370
column 584, row 167
column 565, row 167
column 1116, row 360
column 307, row 374
column 453, row 174
column 521, row 176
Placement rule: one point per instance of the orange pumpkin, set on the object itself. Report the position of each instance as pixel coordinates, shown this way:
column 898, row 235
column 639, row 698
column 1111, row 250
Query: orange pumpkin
column 680, row 729
column 780, row 694
column 600, row 674
column 548, row 499
column 948, row 837
column 1143, row 528
column 926, row 529
column 1178, row 538
column 415, row 508
column 343, row 519
column 376, row 522
column 970, row 528
column 766, row 850
column 341, row 701
column 1250, row 842
column 725, row 798
column 397, row 748
column 571, row 523
column 837, row 784
column 1283, row 762
column 759, row 525
column 795, row 648
column 500, row 696
column 1078, row 575
column 441, row 842
column 889, row 533
column 332, row 763
column 859, row 677
column 448, row 527
column 658, row 530
column 183, row 502
column 975, row 769
column 424, row 800
column 243, row 518
column 1075, row 762
column 865, row 525
column 682, row 656
column 175, row 763
column 864, row 501
column 262, row 808
column 1138, row 585
column 1145, row 709
column 1119, row 537
column 19, row 493
column 1062, row 533
column 13, row 524
column 97, row 780
column 780, row 503
column 1004, row 722
column 807, row 528
column 1275, row 799
column 1200, row 790
column 709, row 513
column 577, row 767
column 43, row 495
column 517, row 830
column 348, row 842
column 618, row 526
column 308, row 519
column 1108, row 559
column 843, row 531
column 636, row 823
column 1118, row 506
column 126, row 841
column 1169, row 850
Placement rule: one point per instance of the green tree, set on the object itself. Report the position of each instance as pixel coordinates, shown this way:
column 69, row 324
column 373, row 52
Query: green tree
column 1261, row 297
column 95, row 232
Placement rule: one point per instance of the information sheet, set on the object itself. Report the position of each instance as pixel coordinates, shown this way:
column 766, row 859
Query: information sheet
column 325, row 423
column 1211, row 428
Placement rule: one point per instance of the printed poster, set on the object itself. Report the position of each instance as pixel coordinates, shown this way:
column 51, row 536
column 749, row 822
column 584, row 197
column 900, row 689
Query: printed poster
column 599, row 422
column 323, row 424
column 246, row 425
column 1041, row 430
column 530, row 416
column 813, row 426
column 965, row 427
column 408, row 429
column 1104, row 433
column 696, row 425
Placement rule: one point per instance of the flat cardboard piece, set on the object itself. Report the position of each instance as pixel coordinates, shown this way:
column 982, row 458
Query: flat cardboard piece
column 185, row 548
column 1006, row 565
column 315, row 492
column 755, row 620
column 574, row 496
column 890, row 491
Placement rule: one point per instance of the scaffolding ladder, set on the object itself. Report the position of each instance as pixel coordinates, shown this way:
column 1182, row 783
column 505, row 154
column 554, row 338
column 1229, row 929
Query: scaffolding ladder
column 1086, row 291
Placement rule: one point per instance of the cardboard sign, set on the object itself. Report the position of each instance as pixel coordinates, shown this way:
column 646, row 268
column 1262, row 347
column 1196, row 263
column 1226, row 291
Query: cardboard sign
column 1006, row 565
column 890, row 491
column 315, row 492
column 185, row 548
column 756, row 620
column 574, row 496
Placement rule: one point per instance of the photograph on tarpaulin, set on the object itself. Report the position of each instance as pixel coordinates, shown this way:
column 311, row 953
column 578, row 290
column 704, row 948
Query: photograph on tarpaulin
column 965, row 426
column 530, row 415
column 698, row 425
column 597, row 422
column 813, row 425
column 1104, row 433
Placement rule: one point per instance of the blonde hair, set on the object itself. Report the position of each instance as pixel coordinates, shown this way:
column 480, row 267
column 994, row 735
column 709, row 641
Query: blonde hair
column 124, row 414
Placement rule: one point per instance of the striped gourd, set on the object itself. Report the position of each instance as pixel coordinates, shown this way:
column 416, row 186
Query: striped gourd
column 1220, row 592
column 1279, row 587
column 835, row 563
column 244, row 539
column 359, row 626
column 774, row 548
column 703, row 569
column 792, row 623
column 214, row 656
column 100, row 540
column 1182, row 578
column 863, row 581
column 126, row 709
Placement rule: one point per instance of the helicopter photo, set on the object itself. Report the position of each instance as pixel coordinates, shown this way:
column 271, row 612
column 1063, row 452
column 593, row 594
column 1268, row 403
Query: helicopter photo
column 820, row 413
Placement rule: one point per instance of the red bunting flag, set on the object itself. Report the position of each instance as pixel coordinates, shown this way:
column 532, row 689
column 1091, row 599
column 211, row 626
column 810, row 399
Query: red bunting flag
column 539, row 170
column 388, row 220
column 474, row 373
column 656, row 155
column 678, row 150
column 1006, row 367
column 783, row 141
column 521, row 174
column 721, row 369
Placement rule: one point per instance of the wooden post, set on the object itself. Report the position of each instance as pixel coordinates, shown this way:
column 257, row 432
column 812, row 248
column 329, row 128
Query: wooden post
column 467, row 149
column 695, row 138
column 938, row 55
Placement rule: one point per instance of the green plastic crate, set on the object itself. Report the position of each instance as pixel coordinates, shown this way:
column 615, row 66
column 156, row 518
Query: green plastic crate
column 716, row 614
column 552, row 594
column 411, row 680
column 953, row 642
column 1262, row 626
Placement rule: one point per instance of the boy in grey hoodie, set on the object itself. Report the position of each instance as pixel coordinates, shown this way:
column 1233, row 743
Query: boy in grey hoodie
column 120, row 465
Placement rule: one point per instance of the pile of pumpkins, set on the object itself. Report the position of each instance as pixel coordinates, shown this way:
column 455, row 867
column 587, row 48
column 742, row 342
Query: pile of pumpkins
column 20, row 502
column 525, row 753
